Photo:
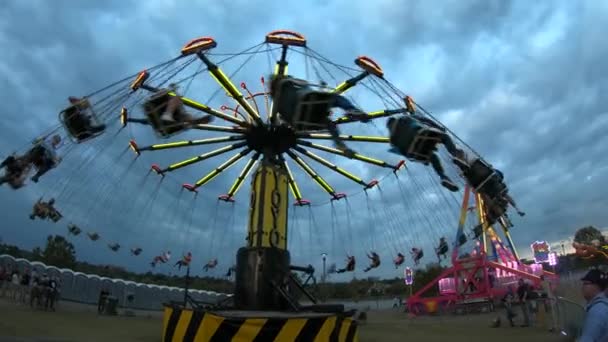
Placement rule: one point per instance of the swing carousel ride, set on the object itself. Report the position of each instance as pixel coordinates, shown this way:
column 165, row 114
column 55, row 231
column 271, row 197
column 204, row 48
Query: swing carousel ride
column 268, row 129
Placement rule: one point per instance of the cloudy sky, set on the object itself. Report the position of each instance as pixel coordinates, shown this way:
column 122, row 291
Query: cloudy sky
column 520, row 84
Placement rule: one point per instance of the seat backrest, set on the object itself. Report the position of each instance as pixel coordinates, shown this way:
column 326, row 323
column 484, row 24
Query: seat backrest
column 480, row 169
column 156, row 104
column 479, row 174
column 312, row 109
column 424, row 143
column 403, row 132
column 76, row 120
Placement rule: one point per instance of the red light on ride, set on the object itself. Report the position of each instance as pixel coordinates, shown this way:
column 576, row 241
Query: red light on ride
column 157, row 169
column 301, row 202
column 371, row 184
column 134, row 148
column 226, row 198
column 190, row 188
column 338, row 196
column 399, row 165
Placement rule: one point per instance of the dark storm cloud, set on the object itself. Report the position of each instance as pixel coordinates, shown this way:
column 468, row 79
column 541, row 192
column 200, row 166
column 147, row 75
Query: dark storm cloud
column 521, row 84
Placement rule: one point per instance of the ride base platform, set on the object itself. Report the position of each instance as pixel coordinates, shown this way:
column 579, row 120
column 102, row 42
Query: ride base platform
column 185, row 324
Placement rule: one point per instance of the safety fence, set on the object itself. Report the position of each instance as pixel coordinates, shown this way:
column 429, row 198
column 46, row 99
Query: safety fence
column 570, row 317
column 85, row 288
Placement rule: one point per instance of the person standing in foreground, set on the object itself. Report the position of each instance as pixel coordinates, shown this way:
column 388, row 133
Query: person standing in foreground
column 549, row 303
column 523, row 291
column 595, row 328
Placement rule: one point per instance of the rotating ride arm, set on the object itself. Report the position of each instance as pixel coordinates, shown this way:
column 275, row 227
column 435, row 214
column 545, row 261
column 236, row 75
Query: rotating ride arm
column 315, row 176
column 184, row 143
column 229, row 87
column 229, row 197
column 359, row 138
column 335, row 168
column 293, row 186
column 201, row 157
column 211, row 175
column 356, row 156
column 369, row 66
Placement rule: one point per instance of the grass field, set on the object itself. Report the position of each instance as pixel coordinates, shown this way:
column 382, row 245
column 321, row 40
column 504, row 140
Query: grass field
column 73, row 322
column 393, row 326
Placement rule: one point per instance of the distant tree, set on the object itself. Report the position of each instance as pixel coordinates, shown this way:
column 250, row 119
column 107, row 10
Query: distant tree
column 11, row 250
column 59, row 252
column 587, row 235
column 37, row 254
column 424, row 276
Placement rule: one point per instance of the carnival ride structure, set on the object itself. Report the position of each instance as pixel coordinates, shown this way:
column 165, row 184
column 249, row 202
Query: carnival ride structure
column 258, row 135
column 481, row 275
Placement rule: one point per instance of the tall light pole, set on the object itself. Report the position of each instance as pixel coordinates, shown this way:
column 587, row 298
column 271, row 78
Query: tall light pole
column 324, row 255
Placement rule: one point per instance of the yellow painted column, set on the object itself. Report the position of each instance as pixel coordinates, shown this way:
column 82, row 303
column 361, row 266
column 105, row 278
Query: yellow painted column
column 268, row 207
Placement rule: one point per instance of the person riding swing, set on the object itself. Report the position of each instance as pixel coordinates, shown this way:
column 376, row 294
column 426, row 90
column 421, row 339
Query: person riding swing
column 350, row 264
column 44, row 155
column 416, row 138
column 442, row 249
column 184, row 262
column 166, row 112
column 374, row 261
column 16, row 170
column 399, row 259
column 304, row 108
column 417, row 254
column 210, row 265
column 79, row 119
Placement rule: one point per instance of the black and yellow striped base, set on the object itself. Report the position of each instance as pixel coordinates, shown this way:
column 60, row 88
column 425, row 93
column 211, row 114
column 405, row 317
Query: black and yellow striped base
column 231, row 326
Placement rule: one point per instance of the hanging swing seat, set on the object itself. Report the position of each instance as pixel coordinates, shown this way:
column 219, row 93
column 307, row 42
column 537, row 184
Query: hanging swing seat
column 154, row 107
column 80, row 121
column 313, row 110
column 414, row 140
column 484, row 179
column 302, row 107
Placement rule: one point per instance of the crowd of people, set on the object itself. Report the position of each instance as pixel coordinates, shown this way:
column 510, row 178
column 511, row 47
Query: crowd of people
column 27, row 287
column 594, row 287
